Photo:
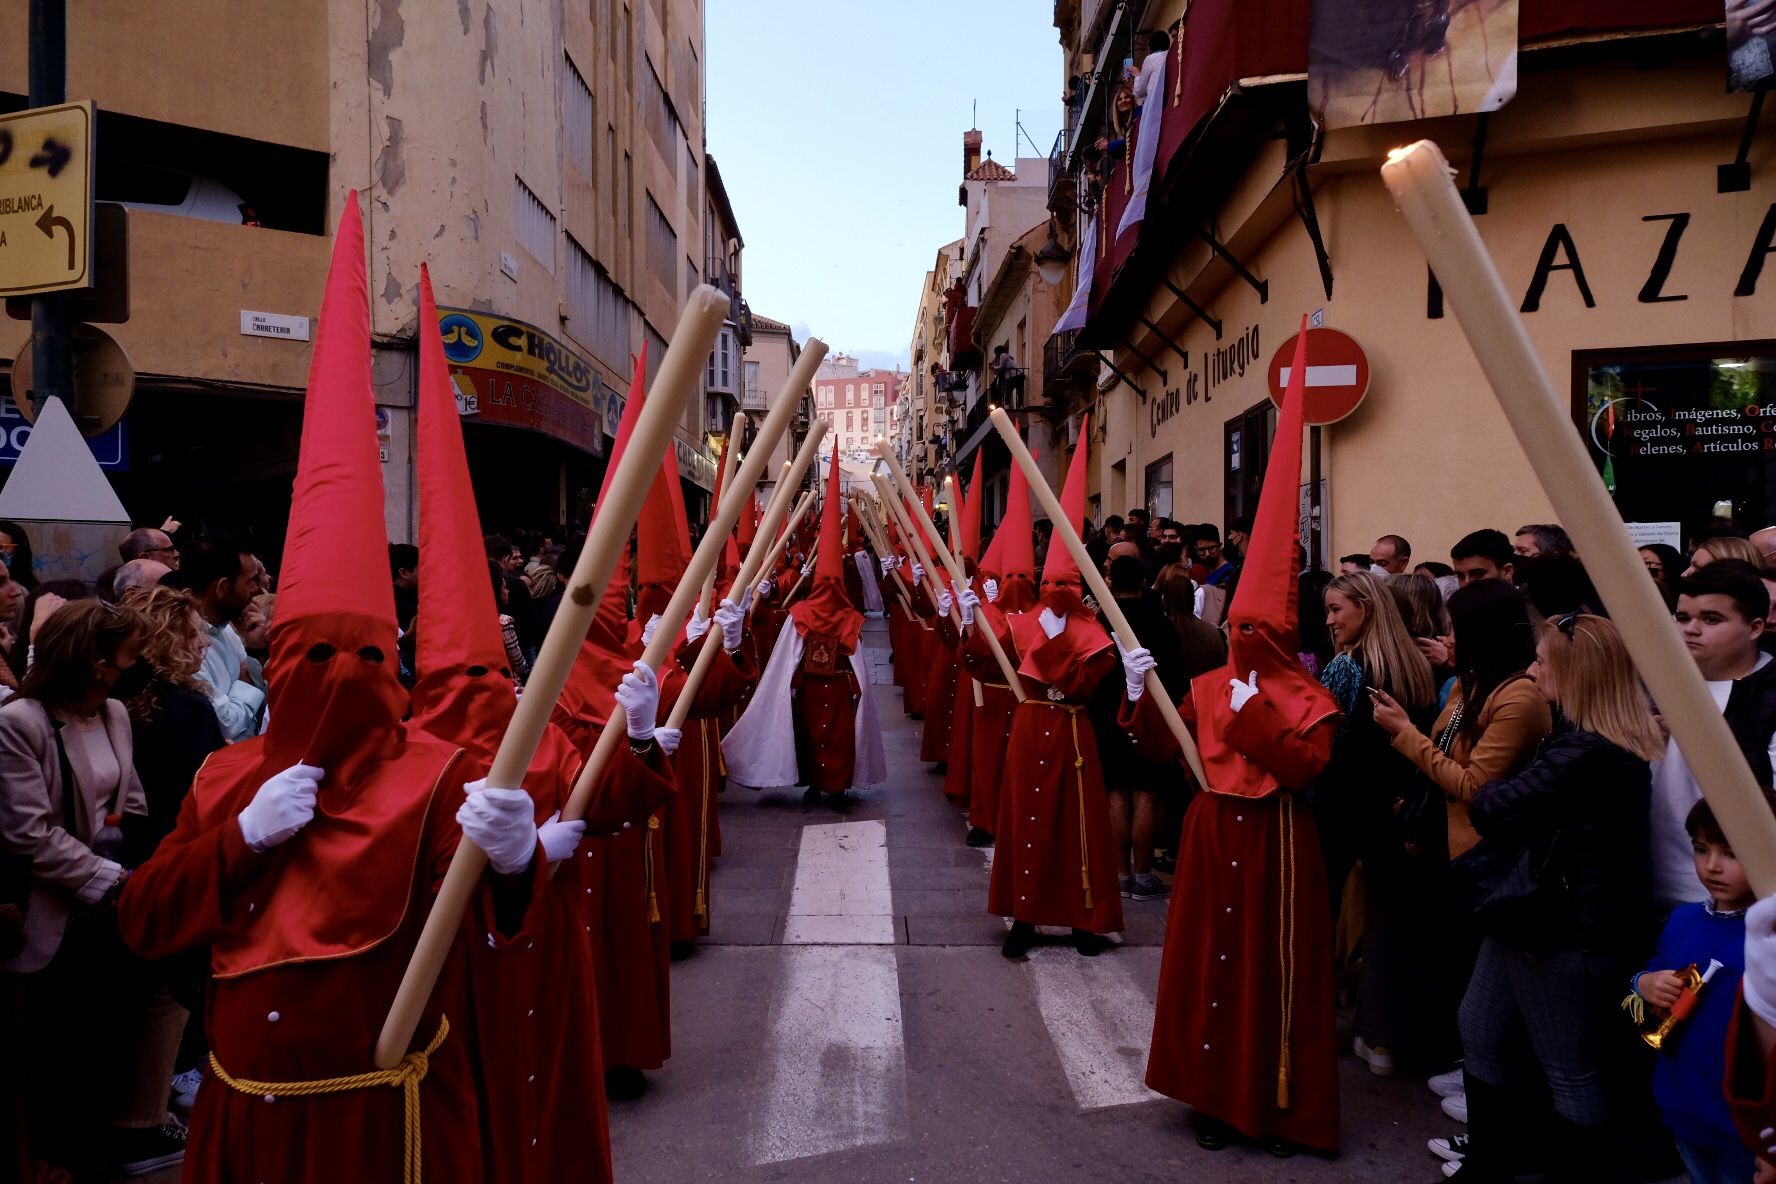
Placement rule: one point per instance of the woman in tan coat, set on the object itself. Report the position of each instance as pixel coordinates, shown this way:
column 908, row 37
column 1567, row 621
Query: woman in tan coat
column 1491, row 726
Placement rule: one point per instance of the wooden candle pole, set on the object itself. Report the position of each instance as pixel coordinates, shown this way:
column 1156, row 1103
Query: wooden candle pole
column 921, row 556
column 957, row 577
column 777, row 548
column 708, row 554
column 1066, row 532
column 751, row 565
column 866, row 514
column 673, row 385
column 1419, row 179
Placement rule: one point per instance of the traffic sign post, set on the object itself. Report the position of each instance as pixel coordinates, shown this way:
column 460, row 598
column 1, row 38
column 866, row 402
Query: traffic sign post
column 46, row 196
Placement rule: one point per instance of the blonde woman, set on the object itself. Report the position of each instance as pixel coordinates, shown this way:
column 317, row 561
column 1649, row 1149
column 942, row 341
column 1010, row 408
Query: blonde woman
column 174, row 726
column 1725, row 547
column 1559, row 942
column 1354, row 803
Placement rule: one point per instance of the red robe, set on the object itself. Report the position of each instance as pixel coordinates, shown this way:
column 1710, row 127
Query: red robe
column 693, row 826
column 1250, row 884
column 1053, row 863
column 1750, row 1082
column 534, row 999
column 942, row 664
column 959, row 774
column 308, row 1019
column 826, row 718
column 921, row 636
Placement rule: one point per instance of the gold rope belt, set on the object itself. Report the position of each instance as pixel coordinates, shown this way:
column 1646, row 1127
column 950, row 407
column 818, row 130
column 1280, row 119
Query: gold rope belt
column 700, row 910
column 1085, row 877
column 406, row 1076
column 647, row 868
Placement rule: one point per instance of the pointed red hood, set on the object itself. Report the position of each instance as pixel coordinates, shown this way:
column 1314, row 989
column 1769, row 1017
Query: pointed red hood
column 335, row 590
column 1015, row 558
column 1262, row 618
column 1062, row 586
column 663, row 540
column 827, row 610
column 746, row 527
column 464, row 690
column 1062, row 591
column 604, row 658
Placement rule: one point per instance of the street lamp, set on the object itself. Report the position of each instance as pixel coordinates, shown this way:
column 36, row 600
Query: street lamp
column 1051, row 258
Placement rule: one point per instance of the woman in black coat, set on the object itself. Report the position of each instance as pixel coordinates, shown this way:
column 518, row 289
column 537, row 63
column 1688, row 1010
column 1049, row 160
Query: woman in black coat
column 174, row 727
column 1559, row 885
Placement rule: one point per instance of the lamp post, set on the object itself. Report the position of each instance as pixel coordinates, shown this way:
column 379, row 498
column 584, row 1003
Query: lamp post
column 1051, row 258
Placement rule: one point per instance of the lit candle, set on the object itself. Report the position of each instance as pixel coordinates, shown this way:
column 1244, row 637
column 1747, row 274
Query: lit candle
column 1420, row 180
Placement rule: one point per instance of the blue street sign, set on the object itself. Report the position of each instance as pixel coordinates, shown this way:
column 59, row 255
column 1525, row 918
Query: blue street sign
column 110, row 447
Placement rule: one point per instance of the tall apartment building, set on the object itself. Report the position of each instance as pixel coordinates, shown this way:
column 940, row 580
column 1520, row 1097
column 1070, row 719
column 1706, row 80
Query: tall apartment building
column 855, row 402
column 548, row 164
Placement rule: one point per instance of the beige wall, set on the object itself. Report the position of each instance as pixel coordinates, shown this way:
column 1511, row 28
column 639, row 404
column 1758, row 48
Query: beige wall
column 1429, row 455
column 772, row 351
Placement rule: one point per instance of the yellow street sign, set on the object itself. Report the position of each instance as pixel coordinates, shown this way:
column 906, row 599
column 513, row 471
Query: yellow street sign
column 46, row 197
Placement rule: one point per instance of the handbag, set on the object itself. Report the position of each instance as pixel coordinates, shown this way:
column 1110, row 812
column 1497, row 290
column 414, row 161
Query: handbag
column 1516, row 894
column 1421, row 813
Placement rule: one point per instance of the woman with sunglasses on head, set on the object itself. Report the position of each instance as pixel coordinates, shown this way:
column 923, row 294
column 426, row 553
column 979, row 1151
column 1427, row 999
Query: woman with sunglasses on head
column 1353, row 802
column 87, row 1016
column 1560, row 881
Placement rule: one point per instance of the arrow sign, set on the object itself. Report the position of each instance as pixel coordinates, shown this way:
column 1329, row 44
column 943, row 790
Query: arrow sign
column 47, row 224
column 53, row 156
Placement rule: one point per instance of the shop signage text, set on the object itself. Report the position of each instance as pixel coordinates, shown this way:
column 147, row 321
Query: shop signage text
column 1219, row 365
column 1560, row 252
column 509, row 372
column 273, row 324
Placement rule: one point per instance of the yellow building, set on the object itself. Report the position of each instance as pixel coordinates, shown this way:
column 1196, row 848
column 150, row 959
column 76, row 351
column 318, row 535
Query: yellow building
column 1608, row 194
column 547, row 163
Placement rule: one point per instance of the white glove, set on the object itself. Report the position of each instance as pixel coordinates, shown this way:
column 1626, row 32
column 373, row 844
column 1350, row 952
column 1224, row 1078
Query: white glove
column 1242, row 691
column 1135, row 665
column 1052, row 622
column 697, row 626
column 284, row 805
column 807, row 570
column 639, row 695
column 745, row 600
column 764, row 588
column 1760, row 959
column 918, row 574
column 967, row 602
column 502, row 822
column 945, row 602
column 731, row 617
column 668, row 739
column 648, row 630
column 887, row 566
column 560, row 838
column 991, row 587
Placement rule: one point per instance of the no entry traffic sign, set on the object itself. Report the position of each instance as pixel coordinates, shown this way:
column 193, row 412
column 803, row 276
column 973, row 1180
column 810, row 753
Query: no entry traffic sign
column 1337, row 374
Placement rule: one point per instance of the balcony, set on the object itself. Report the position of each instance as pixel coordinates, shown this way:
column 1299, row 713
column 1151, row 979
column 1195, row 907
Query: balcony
column 963, row 350
column 1063, row 360
column 1006, row 389
column 753, row 399
column 1059, row 174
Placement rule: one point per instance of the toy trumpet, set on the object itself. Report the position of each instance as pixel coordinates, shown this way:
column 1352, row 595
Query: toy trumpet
column 1694, row 981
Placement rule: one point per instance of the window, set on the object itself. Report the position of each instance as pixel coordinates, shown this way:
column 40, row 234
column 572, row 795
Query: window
column 693, row 187
column 692, row 279
column 610, row 154
column 1673, row 431
column 536, row 226
column 598, row 314
column 850, row 394
column 657, row 114
column 656, row 345
column 662, row 246
column 1159, row 488
column 1244, row 457
column 620, row 31
column 721, row 362
column 880, row 388
column 881, row 399
column 754, row 396
column 578, row 118
column 848, row 421
column 626, row 213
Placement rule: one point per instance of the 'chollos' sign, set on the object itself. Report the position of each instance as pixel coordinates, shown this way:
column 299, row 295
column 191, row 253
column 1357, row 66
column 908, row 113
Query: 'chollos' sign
column 1223, row 363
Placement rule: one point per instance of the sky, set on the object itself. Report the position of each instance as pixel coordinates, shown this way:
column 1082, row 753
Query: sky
column 838, row 127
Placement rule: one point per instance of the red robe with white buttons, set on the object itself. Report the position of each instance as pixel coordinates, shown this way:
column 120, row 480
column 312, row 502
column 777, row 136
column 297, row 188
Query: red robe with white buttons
column 1053, row 863
column 1240, row 1032
column 314, row 1018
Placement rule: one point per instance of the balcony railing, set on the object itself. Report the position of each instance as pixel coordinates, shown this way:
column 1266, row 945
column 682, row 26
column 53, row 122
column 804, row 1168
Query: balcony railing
column 753, row 399
column 1007, row 388
column 1062, row 358
column 1057, row 157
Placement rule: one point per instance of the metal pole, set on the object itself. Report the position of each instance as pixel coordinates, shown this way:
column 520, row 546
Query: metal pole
column 52, row 328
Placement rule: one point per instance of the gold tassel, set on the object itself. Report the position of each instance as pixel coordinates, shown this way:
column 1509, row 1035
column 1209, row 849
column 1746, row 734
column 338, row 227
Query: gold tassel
column 1283, row 1081
column 1085, row 878
column 647, row 865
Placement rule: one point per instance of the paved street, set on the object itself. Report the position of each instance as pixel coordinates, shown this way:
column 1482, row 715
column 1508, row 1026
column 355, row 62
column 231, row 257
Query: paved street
column 851, row 1019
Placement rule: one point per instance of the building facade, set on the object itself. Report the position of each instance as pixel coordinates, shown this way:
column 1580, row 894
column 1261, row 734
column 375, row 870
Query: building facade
column 769, row 357
column 550, row 168
column 1615, row 197
column 855, row 403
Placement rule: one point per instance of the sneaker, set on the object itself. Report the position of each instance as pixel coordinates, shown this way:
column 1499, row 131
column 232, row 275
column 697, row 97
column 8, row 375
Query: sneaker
column 1445, row 1084
column 142, row 1151
column 1127, row 884
column 1456, row 1106
column 1451, row 1149
column 1451, row 1168
column 185, row 1090
column 1148, row 887
column 1381, row 1061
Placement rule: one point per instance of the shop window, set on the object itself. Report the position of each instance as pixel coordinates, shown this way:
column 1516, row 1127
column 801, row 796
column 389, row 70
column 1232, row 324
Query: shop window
column 1159, row 488
column 1243, row 459
column 1675, row 431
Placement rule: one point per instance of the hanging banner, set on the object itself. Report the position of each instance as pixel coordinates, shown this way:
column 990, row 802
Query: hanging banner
column 1393, row 62
column 509, row 372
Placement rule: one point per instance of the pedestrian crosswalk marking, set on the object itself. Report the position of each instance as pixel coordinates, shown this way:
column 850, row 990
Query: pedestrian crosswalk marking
column 1100, row 1021
column 841, row 894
